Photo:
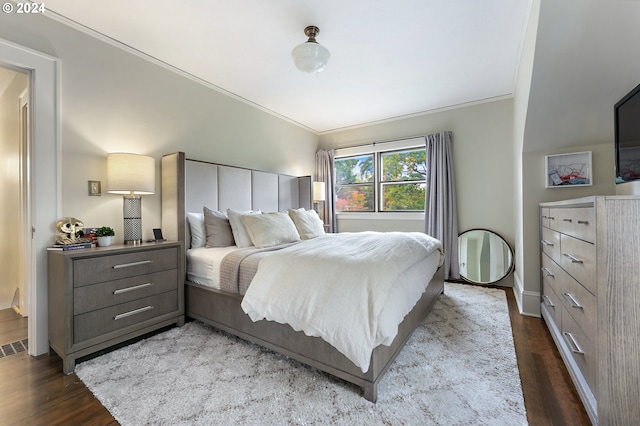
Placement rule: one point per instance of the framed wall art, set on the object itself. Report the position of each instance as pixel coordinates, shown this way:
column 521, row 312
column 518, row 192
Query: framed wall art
column 568, row 170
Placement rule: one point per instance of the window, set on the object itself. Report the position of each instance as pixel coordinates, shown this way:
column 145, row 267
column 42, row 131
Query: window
column 402, row 184
column 355, row 183
column 381, row 181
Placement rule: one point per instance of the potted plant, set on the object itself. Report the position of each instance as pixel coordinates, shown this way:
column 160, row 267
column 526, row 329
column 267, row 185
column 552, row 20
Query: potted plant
column 104, row 235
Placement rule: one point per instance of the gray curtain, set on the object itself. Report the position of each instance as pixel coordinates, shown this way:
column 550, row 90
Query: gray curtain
column 441, row 216
column 325, row 172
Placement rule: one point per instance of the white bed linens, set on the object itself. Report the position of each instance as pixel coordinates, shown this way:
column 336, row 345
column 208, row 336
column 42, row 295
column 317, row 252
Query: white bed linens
column 203, row 265
column 338, row 287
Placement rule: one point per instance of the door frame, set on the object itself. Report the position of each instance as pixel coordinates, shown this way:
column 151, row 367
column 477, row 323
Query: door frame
column 44, row 178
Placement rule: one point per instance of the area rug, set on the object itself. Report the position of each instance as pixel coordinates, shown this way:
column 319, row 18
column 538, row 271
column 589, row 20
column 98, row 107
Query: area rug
column 458, row 368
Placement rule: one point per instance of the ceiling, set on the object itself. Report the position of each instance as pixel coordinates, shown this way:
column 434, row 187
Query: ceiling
column 388, row 59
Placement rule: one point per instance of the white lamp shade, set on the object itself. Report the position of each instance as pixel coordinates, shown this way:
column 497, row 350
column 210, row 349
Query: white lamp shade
column 310, row 57
column 131, row 174
column 318, row 191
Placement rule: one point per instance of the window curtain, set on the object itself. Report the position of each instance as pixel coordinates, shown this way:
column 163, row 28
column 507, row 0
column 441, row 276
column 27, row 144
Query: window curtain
column 441, row 216
column 325, row 172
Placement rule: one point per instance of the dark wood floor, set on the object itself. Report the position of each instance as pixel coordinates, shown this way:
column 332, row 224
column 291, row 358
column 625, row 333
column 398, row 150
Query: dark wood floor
column 35, row 392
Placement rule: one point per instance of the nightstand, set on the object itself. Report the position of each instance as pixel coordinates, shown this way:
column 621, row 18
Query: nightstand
column 104, row 296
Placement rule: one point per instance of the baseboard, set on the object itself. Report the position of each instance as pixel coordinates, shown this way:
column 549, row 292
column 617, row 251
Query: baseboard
column 528, row 301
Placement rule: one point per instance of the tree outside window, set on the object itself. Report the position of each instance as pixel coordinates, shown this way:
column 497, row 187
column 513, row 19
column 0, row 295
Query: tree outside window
column 399, row 177
column 355, row 178
column 403, row 184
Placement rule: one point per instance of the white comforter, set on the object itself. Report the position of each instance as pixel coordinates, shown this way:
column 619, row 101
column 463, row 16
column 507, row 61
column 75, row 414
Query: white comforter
column 336, row 286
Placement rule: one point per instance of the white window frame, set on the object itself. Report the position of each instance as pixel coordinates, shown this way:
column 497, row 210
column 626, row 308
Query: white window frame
column 376, row 149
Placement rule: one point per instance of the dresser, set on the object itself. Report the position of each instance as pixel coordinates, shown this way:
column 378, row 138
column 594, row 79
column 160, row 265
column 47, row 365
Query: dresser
column 590, row 264
column 104, row 296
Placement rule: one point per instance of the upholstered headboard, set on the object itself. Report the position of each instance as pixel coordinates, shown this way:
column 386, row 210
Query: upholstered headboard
column 188, row 185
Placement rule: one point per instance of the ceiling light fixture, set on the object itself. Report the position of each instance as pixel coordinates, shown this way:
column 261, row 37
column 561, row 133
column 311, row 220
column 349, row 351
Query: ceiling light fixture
column 310, row 56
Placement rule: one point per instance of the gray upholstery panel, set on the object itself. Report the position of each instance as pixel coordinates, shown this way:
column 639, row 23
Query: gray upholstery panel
column 288, row 197
column 264, row 190
column 305, row 183
column 234, row 188
column 201, row 181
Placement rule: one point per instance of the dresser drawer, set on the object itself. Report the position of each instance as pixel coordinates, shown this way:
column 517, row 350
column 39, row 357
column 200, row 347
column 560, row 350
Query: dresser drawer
column 579, row 222
column 112, row 267
column 578, row 258
column 544, row 216
column 581, row 305
column 100, row 322
column 551, row 287
column 97, row 296
column 580, row 348
column 551, row 243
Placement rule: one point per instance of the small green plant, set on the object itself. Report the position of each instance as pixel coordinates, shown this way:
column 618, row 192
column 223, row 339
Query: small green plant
column 105, row 231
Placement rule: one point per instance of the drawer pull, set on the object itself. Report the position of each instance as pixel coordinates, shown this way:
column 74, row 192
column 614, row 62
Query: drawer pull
column 567, row 220
column 547, row 272
column 551, row 218
column 573, row 344
column 572, row 258
column 547, row 243
column 134, row 312
column 572, row 301
column 583, row 222
column 548, row 301
column 135, row 287
column 128, row 265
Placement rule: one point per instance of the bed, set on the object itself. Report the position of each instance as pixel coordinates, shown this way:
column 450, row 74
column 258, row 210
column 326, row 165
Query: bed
column 188, row 186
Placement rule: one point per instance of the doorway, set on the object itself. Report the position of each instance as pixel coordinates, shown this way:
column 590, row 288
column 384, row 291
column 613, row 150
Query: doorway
column 42, row 183
column 14, row 151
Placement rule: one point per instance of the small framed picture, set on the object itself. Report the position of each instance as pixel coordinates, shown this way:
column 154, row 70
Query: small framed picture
column 95, row 188
column 568, row 170
column 157, row 234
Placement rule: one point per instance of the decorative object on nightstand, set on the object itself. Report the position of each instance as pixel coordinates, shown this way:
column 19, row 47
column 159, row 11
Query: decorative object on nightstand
column 104, row 234
column 132, row 175
column 70, row 232
column 106, row 296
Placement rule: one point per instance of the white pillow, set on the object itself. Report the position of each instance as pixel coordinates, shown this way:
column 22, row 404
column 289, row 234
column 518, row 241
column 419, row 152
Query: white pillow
column 307, row 223
column 238, row 229
column 196, row 226
column 270, row 229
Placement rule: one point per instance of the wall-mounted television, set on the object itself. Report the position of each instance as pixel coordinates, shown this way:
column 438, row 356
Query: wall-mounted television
column 627, row 137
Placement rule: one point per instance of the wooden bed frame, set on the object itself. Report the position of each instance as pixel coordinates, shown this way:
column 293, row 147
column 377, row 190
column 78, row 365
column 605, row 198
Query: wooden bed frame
column 181, row 193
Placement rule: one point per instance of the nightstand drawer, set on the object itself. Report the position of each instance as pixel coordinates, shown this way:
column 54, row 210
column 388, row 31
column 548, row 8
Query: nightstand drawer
column 107, row 268
column 100, row 322
column 97, row 296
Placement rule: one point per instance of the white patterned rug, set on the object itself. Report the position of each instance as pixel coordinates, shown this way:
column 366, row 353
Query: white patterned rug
column 458, row 368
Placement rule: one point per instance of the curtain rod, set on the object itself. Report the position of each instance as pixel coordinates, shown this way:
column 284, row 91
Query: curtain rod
column 381, row 142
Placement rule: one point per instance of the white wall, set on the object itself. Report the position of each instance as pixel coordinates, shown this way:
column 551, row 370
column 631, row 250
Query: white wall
column 10, row 251
column 115, row 101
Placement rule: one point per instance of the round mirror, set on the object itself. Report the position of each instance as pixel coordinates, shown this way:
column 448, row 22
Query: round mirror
column 484, row 256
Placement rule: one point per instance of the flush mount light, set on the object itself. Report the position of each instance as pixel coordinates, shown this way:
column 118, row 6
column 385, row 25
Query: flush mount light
column 310, row 56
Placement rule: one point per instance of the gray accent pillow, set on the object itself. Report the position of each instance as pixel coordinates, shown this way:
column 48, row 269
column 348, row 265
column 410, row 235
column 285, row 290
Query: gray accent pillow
column 217, row 228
